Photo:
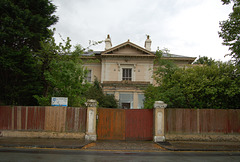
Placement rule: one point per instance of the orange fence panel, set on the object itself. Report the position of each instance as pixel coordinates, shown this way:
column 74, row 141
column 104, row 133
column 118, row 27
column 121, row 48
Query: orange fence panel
column 111, row 124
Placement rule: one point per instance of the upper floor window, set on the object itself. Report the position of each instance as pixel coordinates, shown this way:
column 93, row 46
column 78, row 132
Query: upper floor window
column 126, row 74
column 89, row 76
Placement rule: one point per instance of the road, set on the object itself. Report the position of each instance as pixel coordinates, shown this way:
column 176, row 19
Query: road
column 22, row 154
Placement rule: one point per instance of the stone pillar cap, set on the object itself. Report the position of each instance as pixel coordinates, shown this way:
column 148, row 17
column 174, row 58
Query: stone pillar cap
column 160, row 104
column 91, row 103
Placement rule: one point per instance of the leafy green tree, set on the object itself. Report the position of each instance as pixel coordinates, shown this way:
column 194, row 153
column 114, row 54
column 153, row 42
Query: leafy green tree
column 63, row 74
column 214, row 86
column 230, row 30
column 204, row 60
column 164, row 67
column 23, row 24
column 96, row 92
column 151, row 95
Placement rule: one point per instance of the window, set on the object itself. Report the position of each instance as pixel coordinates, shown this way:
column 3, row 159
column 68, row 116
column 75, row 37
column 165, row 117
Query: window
column 126, row 100
column 89, row 76
column 141, row 98
column 126, row 74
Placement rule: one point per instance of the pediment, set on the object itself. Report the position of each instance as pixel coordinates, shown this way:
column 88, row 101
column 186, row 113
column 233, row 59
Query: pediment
column 127, row 49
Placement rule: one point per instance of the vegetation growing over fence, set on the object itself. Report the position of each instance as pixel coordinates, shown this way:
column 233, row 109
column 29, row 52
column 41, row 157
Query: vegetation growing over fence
column 207, row 86
column 62, row 73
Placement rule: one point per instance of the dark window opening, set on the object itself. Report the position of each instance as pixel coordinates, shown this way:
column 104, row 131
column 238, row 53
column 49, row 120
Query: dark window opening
column 126, row 74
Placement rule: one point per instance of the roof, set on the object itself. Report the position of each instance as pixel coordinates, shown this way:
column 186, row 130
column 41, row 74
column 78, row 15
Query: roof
column 145, row 52
column 128, row 44
column 93, row 53
column 174, row 55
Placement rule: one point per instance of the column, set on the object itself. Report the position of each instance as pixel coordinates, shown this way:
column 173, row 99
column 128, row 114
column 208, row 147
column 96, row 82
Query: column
column 158, row 133
column 91, row 133
column 116, row 95
column 135, row 100
column 103, row 71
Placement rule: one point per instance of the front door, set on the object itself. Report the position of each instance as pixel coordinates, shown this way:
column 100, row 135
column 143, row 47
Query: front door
column 126, row 105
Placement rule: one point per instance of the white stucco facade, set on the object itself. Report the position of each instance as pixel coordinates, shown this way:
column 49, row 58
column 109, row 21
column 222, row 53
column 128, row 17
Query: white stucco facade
column 125, row 70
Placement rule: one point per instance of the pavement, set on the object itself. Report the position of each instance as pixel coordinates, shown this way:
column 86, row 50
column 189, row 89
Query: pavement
column 200, row 146
column 43, row 143
column 142, row 146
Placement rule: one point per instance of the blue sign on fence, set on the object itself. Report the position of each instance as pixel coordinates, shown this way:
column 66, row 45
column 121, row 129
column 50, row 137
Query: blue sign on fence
column 59, row 101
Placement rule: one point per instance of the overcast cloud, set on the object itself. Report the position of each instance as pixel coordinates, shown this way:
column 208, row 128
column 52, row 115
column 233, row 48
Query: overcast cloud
column 185, row 27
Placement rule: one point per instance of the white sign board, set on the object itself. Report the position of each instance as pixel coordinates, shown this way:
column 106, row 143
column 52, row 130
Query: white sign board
column 59, row 101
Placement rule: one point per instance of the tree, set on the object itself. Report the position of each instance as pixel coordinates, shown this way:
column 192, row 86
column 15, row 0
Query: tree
column 164, row 67
column 230, row 31
column 96, row 92
column 23, row 24
column 205, row 61
column 213, row 86
column 63, row 74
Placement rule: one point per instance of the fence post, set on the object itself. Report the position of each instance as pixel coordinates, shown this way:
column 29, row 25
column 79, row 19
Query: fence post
column 91, row 120
column 158, row 132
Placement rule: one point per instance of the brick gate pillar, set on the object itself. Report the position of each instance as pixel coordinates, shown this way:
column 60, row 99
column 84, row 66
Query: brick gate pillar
column 158, row 132
column 91, row 133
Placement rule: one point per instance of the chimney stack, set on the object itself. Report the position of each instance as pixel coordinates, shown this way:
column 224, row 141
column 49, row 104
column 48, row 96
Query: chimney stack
column 148, row 43
column 108, row 42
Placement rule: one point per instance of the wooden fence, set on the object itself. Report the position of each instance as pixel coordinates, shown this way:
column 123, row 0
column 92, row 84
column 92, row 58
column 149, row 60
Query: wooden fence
column 202, row 121
column 34, row 118
column 69, row 119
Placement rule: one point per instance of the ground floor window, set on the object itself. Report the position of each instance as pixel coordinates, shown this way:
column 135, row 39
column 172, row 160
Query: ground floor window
column 126, row 100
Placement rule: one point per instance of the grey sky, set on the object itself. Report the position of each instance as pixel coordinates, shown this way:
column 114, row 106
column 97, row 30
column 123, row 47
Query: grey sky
column 185, row 27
